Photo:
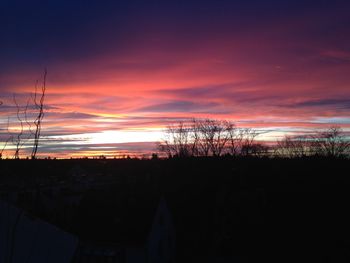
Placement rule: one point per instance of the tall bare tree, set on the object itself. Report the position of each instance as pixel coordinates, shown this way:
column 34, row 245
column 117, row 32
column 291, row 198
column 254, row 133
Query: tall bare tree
column 215, row 135
column 200, row 136
column 38, row 99
column 248, row 140
column 236, row 137
column 176, row 141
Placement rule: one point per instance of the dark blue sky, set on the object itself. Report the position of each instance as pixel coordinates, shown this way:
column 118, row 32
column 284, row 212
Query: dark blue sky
column 43, row 32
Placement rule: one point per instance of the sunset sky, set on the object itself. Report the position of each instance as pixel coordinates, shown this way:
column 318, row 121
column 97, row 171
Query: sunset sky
column 120, row 71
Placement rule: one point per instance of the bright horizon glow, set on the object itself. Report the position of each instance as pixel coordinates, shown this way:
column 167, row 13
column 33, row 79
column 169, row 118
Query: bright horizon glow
column 112, row 137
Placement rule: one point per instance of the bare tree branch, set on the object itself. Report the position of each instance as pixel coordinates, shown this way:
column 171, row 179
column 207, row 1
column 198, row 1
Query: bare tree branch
column 39, row 105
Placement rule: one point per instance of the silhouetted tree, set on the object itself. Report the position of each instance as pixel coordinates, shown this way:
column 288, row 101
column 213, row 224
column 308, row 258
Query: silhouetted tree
column 200, row 144
column 331, row 143
column 248, row 136
column 38, row 99
column 235, row 137
column 211, row 136
column 241, row 141
column 176, row 141
column 291, row 147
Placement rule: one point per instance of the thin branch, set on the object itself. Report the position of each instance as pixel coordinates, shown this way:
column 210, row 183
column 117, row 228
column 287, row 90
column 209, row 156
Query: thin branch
column 40, row 106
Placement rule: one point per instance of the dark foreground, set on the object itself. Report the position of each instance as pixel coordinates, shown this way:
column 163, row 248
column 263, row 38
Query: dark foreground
column 190, row 210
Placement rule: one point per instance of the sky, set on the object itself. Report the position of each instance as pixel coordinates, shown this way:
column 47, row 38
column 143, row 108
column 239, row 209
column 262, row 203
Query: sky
column 119, row 72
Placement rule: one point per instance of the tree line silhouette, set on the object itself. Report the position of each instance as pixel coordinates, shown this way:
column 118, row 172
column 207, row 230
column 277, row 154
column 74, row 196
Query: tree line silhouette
column 208, row 137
